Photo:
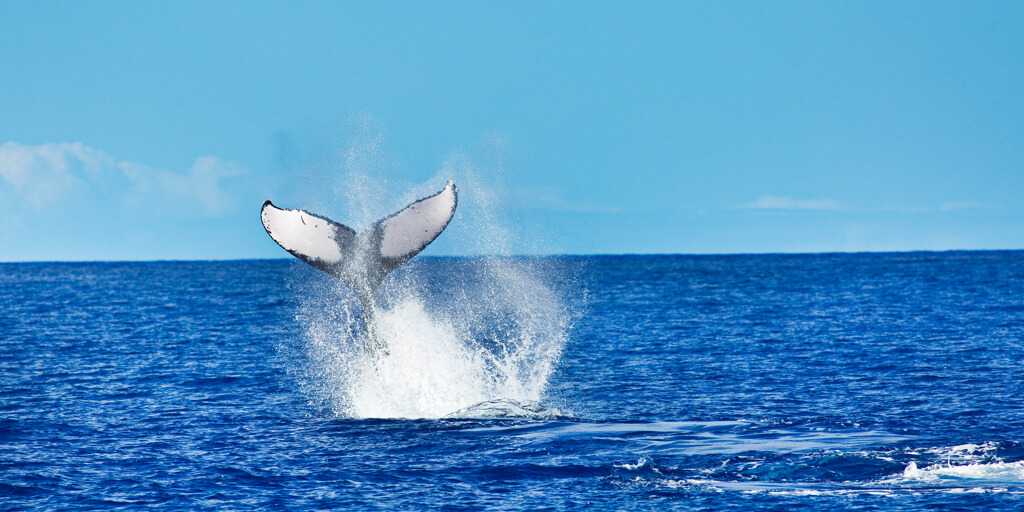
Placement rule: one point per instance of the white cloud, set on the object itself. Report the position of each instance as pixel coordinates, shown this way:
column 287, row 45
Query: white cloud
column 770, row 202
column 47, row 173
column 962, row 205
column 546, row 198
column 58, row 174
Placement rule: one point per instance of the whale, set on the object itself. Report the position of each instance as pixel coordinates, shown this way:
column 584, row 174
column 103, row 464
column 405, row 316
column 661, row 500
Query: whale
column 362, row 260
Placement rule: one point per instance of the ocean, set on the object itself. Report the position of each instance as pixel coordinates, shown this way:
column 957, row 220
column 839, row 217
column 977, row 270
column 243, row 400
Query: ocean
column 749, row 382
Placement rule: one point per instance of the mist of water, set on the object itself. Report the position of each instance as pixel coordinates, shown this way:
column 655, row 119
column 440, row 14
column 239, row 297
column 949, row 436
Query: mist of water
column 462, row 335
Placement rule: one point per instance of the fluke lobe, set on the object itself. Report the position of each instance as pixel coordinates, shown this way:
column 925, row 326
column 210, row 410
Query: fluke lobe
column 362, row 260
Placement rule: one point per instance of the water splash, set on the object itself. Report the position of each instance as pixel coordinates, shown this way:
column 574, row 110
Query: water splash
column 486, row 330
column 465, row 337
column 447, row 352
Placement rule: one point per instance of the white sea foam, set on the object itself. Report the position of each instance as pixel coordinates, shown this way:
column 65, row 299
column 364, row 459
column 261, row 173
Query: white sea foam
column 994, row 472
column 959, row 467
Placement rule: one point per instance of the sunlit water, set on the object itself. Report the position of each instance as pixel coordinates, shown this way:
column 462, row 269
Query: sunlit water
column 879, row 382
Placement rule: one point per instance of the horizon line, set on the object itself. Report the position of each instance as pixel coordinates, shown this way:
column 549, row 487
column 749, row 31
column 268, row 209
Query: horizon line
column 551, row 255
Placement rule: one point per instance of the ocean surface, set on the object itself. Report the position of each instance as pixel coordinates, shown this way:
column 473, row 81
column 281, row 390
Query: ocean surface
column 764, row 382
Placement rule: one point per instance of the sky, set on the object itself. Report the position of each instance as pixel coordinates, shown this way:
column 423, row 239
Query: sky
column 155, row 130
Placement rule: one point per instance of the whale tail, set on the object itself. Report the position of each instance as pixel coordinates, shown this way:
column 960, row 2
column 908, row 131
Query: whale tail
column 361, row 260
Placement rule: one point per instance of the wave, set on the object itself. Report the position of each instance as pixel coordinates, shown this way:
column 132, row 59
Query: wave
column 504, row 408
column 961, row 465
column 968, row 468
column 992, row 473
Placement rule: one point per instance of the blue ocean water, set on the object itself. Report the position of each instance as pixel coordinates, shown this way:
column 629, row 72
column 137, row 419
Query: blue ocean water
column 766, row 382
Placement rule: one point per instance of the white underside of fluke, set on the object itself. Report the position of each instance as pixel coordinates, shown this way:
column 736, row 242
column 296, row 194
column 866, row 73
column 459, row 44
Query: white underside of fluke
column 299, row 232
column 413, row 228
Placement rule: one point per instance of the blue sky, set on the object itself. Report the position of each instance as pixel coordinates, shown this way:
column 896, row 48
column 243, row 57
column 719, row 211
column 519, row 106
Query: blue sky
column 149, row 130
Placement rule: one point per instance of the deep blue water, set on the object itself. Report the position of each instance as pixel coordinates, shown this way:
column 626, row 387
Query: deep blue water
column 861, row 381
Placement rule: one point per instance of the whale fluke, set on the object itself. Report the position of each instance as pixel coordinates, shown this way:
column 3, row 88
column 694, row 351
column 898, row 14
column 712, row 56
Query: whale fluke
column 361, row 260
